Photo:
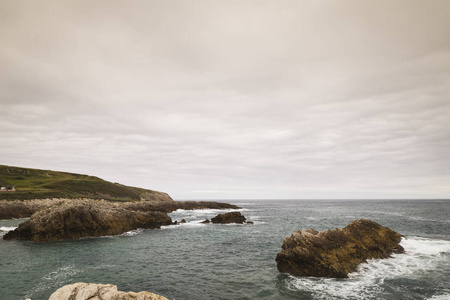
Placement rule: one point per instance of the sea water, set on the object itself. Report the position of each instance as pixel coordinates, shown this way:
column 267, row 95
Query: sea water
column 208, row 261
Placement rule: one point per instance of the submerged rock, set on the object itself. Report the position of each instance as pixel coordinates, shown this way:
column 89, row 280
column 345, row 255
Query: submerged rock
column 79, row 219
column 335, row 253
column 85, row 291
column 228, row 218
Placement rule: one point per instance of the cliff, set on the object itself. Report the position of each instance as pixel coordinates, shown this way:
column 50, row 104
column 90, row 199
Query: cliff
column 46, row 184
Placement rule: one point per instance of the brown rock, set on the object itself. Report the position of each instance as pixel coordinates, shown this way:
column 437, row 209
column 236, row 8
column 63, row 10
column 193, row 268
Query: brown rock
column 335, row 253
column 231, row 217
column 77, row 219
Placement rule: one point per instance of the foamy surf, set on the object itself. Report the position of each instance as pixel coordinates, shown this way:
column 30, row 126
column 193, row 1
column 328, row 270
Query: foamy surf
column 421, row 257
column 6, row 228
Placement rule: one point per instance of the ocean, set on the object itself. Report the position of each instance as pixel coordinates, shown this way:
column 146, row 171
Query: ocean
column 209, row 261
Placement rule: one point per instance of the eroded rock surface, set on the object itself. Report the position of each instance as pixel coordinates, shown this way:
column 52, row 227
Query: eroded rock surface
column 24, row 208
column 77, row 219
column 93, row 291
column 335, row 253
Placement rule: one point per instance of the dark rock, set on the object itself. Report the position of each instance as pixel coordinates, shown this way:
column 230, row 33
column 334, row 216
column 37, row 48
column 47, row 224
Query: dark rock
column 335, row 253
column 77, row 219
column 249, row 223
column 231, row 217
column 182, row 221
column 206, row 221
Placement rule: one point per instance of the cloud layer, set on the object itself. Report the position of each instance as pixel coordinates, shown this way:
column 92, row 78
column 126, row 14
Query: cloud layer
column 232, row 99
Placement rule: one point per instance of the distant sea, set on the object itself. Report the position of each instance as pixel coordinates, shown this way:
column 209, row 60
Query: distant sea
column 205, row 261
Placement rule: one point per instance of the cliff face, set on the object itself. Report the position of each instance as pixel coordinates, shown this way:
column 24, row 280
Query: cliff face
column 77, row 219
column 335, row 253
column 86, row 291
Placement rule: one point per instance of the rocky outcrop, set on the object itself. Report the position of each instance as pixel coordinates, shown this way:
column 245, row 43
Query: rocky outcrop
column 228, row 218
column 24, row 208
column 93, row 291
column 155, row 201
column 173, row 206
column 77, row 219
column 335, row 253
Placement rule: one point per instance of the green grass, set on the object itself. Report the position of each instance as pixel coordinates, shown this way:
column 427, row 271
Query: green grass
column 41, row 184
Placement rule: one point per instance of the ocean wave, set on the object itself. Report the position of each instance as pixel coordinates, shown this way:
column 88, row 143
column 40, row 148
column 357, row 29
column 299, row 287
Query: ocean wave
column 6, row 228
column 206, row 211
column 133, row 232
column 421, row 256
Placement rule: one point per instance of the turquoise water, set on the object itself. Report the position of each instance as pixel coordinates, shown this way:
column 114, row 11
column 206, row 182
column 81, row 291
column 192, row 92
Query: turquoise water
column 206, row 261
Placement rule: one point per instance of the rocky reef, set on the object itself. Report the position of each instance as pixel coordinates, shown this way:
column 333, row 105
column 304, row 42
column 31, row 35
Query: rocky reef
column 88, row 291
column 336, row 253
column 77, row 219
column 229, row 218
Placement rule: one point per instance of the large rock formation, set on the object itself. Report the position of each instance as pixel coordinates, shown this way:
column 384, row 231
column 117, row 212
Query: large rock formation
column 228, row 218
column 24, row 208
column 335, row 253
column 77, row 219
column 93, row 291
column 155, row 201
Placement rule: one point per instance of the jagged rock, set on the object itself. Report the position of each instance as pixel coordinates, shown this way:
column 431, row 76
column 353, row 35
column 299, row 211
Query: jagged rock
column 77, row 219
column 335, row 253
column 24, row 208
column 231, row 217
column 94, row 291
column 160, row 202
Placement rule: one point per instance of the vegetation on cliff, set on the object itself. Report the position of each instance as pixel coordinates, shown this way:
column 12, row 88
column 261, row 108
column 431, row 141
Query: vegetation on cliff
column 42, row 184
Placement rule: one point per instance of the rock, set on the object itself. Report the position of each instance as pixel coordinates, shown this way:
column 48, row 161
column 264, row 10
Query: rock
column 24, row 208
column 94, row 291
column 174, row 205
column 206, row 222
column 77, row 219
column 335, row 253
column 231, row 217
column 182, row 221
column 155, row 201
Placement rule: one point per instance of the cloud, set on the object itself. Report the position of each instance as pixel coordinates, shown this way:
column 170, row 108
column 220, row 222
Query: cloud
column 231, row 99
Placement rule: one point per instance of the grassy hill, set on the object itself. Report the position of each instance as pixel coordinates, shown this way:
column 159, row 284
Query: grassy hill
column 41, row 184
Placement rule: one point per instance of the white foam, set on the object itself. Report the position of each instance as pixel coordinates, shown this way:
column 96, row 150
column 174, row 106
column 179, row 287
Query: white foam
column 6, row 228
column 205, row 211
column 133, row 232
column 421, row 255
column 440, row 297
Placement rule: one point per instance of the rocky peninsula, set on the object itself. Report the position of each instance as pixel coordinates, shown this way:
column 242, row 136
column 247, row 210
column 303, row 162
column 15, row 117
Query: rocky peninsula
column 77, row 218
column 336, row 253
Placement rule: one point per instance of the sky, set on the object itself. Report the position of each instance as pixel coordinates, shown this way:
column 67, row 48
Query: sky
column 207, row 99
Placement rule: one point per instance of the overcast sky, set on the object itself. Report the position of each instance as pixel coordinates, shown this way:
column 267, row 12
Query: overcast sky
column 232, row 99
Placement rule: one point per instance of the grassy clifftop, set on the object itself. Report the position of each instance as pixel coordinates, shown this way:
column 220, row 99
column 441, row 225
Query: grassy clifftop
column 41, row 184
